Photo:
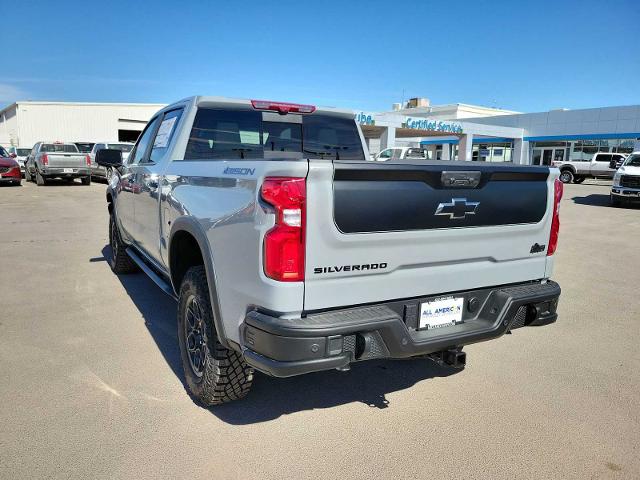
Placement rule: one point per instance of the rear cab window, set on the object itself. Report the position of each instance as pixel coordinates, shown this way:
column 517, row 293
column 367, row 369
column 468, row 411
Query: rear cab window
column 59, row 148
column 123, row 147
column 252, row 134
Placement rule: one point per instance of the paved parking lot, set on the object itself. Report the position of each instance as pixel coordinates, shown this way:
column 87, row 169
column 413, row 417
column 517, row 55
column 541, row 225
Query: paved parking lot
column 91, row 383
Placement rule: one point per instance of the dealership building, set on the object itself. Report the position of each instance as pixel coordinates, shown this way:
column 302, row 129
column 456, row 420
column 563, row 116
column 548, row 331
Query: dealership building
column 468, row 132
column 447, row 132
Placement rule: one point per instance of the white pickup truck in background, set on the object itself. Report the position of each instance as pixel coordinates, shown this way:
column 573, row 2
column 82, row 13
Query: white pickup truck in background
column 401, row 153
column 626, row 182
column 602, row 165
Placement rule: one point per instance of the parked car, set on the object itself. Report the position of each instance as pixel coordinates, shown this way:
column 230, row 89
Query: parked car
column 9, row 169
column 20, row 154
column 400, row 153
column 84, row 147
column 289, row 253
column 602, row 165
column 626, row 181
column 99, row 171
column 49, row 160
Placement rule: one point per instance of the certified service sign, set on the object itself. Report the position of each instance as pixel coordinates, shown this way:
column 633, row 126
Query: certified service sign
column 434, row 125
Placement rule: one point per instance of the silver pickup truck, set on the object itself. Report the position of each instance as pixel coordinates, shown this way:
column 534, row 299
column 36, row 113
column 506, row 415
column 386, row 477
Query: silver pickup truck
column 289, row 253
column 49, row 160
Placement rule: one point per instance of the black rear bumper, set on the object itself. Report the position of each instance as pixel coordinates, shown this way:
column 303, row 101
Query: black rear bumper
column 322, row 341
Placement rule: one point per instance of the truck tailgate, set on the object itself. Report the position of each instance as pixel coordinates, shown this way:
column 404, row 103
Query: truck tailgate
column 60, row 160
column 379, row 232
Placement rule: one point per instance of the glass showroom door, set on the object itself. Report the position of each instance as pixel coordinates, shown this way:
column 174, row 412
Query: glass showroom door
column 544, row 156
column 536, row 156
column 558, row 154
column 547, row 156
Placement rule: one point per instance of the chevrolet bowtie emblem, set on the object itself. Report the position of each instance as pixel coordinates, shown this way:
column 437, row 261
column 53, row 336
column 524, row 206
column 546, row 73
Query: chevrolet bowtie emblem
column 457, row 208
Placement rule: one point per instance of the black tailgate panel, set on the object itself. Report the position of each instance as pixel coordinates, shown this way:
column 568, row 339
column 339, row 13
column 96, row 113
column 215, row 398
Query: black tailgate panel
column 394, row 197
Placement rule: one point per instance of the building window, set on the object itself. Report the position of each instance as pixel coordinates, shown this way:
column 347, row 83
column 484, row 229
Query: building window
column 583, row 150
column 492, row 152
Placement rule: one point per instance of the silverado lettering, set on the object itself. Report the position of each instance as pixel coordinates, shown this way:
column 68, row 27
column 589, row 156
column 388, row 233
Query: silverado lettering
column 350, row 268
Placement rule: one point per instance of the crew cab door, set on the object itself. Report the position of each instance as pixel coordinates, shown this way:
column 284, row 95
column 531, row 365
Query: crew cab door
column 147, row 181
column 600, row 165
column 129, row 183
column 386, row 231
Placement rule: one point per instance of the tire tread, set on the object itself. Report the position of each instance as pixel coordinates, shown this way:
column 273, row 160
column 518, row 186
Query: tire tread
column 121, row 263
column 226, row 377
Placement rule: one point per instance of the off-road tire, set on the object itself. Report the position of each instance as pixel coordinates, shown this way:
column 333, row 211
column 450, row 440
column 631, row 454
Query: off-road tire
column 86, row 180
column 40, row 180
column 566, row 176
column 120, row 262
column 224, row 375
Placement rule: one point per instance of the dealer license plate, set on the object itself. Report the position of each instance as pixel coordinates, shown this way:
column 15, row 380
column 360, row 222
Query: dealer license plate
column 67, row 170
column 441, row 312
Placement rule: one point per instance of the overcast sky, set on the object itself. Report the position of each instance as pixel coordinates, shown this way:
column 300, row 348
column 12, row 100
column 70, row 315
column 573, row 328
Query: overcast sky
column 526, row 56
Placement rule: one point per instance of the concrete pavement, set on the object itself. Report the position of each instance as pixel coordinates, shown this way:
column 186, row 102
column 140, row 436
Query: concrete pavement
column 91, row 382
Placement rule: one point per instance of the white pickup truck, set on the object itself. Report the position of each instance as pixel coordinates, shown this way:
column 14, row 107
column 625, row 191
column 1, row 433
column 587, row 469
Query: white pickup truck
column 626, row 182
column 602, row 165
column 289, row 253
column 401, row 153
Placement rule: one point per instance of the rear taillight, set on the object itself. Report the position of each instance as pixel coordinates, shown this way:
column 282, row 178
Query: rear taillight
column 555, row 222
column 282, row 107
column 45, row 159
column 89, row 160
column 284, row 244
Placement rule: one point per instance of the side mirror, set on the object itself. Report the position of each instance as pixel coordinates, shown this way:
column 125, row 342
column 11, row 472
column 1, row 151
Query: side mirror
column 109, row 158
column 13, row 155
column 612, row 164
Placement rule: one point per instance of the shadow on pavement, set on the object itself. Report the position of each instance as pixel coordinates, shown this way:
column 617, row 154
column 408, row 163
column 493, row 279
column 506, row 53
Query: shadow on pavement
column 601, row 200
column 158, row 311
column 367, row 382
column 593, row 199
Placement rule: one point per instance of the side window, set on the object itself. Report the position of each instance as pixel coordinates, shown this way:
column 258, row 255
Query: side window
column 142, row 145
column 385, row 153
column 165, row 134
column 99, row 146
column 603, row 157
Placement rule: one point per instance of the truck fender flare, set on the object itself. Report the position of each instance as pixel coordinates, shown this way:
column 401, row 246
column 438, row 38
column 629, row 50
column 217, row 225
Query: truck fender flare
column 191, row 226
column 110, row 195
column 568, row 167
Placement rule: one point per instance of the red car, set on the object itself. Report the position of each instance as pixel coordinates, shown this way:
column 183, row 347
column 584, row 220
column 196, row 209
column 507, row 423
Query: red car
column 9, row 169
